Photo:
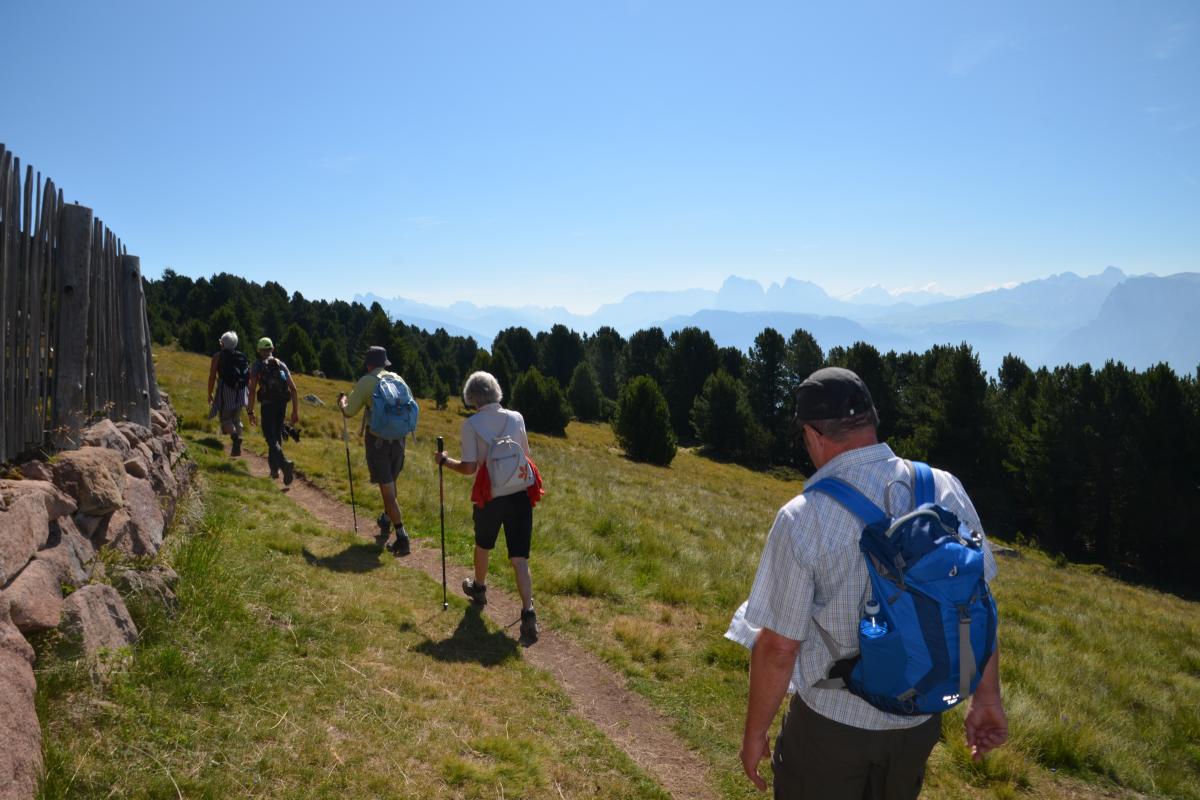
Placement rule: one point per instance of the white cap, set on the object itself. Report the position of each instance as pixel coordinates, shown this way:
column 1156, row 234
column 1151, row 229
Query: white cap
column 229, row 340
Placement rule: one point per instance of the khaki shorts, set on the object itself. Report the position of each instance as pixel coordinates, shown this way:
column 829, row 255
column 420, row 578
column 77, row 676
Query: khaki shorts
column 231, row 421
column 385, row 458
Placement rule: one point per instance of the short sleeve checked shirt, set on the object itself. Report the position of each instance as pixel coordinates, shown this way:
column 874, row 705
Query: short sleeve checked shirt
column 813, row 574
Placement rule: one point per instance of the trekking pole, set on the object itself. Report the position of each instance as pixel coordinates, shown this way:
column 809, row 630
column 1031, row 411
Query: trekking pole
column 349, row 472
column 441, row 445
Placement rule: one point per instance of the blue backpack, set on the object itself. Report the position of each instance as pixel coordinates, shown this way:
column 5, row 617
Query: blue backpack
column 926, row 575
column 393, row 410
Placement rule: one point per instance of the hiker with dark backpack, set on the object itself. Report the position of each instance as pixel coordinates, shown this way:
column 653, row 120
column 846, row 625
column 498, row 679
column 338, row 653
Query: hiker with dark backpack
column 227, row 398
column 392, row 415
column 872, row 599
column 495, row 449
column 272, row 380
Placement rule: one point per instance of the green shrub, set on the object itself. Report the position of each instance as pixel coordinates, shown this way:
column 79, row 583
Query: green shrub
column 643, row 422
column 722, row 418
column 541, row 402
column 194, row 338
column 441, row 393
column 584, row 393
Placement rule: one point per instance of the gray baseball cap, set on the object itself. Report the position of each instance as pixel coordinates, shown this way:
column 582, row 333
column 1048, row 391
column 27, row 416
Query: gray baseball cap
column 832, row 393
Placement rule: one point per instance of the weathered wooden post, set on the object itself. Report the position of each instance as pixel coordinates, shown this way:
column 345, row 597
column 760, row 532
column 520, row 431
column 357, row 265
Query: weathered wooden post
column 151, row 375
column 74, row 300
column 8, row 210
column 132, row 330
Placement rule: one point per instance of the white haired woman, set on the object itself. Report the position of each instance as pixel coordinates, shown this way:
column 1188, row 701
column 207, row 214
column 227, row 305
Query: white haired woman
column 227, row 399
column 488, row 436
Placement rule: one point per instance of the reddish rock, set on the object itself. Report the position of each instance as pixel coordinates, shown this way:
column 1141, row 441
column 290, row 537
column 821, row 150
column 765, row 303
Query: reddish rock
column 136, row 466
column 11, row 639
column 134, row 433
column 157, row 583
column 69, row 553
column 89, row 525
column 143, row 531
column 36, row 471
column 94, row 476
column 162, row 421
column 57, row 502
column 108, row 530
column 106, row 434
column 24, row 528
column 20, row 733
column 96, row 616
column 36, row 598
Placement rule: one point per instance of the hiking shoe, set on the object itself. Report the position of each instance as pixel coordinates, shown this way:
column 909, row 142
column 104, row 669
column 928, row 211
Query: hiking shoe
column 401, row 546
column 476, row 591
column 385, row 529
column 289, row 473
column 274, row 474
column 529, row 629
column 235, row 449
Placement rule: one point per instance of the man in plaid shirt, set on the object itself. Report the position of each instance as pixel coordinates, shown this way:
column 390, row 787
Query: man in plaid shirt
column 808, row 597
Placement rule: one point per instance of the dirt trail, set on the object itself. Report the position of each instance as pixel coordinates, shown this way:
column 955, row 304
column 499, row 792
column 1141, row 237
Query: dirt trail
column 598, row 694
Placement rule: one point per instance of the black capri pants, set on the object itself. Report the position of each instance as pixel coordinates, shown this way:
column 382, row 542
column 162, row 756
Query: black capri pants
column 515, row 513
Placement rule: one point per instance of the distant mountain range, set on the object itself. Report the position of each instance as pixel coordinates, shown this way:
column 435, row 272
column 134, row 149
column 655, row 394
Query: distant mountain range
column 1065, row 318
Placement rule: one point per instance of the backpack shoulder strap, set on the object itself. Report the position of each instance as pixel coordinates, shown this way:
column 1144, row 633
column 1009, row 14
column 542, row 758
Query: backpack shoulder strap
column 487, row 440
column 922, row 483
column 850, row 498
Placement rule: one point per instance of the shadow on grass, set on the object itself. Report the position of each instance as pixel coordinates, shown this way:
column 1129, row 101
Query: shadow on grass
column 211, row 442
column 355, row 558
column 471, row 641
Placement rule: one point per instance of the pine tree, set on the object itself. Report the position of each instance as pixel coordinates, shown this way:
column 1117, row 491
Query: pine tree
column 723, row 420
column 691, row 358
column 604, row 352
column 541, row 402
column 521, row 347
column 766, row 386
column 643, row 423
column 584, row 393
column 561, row 351
column 296, row 349
column 643, row 355
column 333, row 361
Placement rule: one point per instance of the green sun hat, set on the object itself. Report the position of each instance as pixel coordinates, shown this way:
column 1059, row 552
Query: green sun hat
column 265, row 344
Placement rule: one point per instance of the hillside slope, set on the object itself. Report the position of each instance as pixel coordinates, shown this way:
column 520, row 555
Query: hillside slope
column 642, row 566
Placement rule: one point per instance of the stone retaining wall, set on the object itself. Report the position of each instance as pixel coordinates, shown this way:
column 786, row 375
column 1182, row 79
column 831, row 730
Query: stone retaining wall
column 119, row 490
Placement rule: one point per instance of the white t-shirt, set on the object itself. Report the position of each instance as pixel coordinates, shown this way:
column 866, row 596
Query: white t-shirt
column 492, row 420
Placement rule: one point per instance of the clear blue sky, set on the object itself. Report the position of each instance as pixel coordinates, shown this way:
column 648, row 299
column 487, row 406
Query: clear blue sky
column 568, row 152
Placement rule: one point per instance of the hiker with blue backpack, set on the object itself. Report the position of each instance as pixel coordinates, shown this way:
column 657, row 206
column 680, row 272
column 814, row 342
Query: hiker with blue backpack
column 495, row 449
column 391, row 416
column 271, row 382
column 872, row 601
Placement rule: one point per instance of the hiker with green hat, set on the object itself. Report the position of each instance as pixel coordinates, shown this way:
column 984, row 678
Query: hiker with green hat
column 391, row 415
column 272, row 380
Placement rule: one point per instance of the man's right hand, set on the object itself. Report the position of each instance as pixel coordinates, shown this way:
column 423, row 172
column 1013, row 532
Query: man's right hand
column 755, row 750
column 986, row 726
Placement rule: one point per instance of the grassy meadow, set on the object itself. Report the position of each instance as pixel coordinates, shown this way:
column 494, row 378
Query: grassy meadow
column 281, row 678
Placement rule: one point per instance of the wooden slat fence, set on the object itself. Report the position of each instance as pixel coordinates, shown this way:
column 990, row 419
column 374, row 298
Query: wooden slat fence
column 74, row 336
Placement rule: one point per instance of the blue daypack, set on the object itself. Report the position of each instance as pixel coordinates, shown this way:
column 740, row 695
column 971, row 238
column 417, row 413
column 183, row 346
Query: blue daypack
column 926, row 573
column 393, row 410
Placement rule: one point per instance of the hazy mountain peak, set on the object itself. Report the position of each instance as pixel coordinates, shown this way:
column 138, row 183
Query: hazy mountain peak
column 741, row 294
column 870, row 295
